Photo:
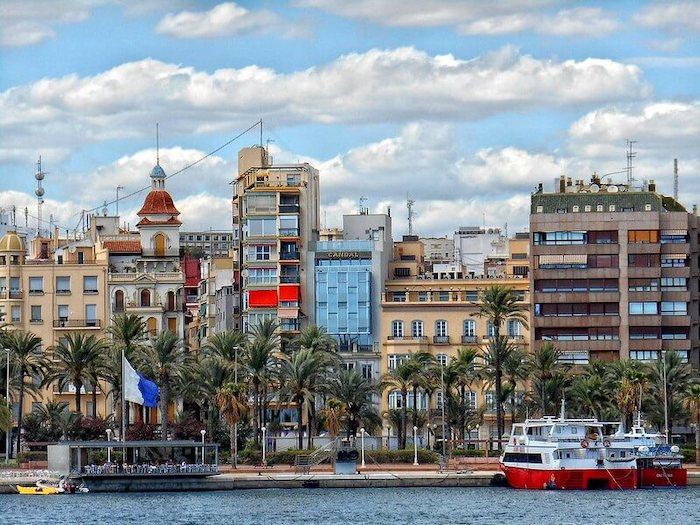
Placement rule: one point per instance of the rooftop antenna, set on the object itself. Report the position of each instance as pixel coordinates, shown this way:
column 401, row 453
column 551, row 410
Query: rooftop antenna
column 631, row 154
column 675, row 179
column 39, row 195
column 363, row 208
column 157, row 146
column 409, row 204
column 26, row 218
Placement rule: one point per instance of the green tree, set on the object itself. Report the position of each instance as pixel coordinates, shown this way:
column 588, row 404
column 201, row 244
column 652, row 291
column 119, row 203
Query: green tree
column 679, row 377
column 233, row 407
column 692, row 401
column 315, row 338
column 498, row 304
column 514, row 372
column 400, row 378
column 72, row 360
column 629, row 380
column 6, row 419
column 163, row 360
column 27, row 363
column 548, row 375
column 418, row 363
column 229, row 346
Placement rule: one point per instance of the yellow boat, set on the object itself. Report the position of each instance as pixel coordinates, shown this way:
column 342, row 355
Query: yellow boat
column 38, row 491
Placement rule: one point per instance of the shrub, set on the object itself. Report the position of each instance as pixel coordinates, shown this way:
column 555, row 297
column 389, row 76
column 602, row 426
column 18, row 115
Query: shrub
column 401, row 456
column 88, row 429
column 469, row 453
column 141, row 431
column 187, row 428
column 23, row 457
column 688, row 454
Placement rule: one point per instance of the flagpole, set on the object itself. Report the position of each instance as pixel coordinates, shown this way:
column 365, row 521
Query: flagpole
column 123, row 432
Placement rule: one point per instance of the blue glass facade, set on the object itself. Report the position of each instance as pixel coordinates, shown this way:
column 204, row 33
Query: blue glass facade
column 343, row 285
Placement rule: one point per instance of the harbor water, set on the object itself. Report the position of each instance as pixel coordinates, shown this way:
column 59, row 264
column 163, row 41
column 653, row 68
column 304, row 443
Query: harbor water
column 386, row 506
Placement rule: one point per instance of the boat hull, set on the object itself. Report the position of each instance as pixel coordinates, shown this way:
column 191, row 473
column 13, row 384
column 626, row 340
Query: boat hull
column 662, row 477
column 570, row 479
column 37, row 491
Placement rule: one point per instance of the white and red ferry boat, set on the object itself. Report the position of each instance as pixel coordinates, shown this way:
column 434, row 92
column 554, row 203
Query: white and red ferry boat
column 575, row 454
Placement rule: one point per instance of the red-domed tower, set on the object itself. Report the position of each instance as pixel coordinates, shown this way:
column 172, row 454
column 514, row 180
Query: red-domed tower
column 159, row 225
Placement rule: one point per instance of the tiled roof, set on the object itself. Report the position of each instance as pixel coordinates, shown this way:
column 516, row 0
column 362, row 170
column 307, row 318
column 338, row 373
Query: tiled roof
column 123, row 246
column 158, row 202
column 148, row 222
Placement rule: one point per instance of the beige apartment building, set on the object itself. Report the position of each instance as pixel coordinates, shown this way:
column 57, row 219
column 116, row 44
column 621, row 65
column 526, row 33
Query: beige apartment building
column 60, row 289
column 425, row 314
column 614, row 272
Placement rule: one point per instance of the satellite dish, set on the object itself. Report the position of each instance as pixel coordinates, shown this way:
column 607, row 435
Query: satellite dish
column 594, row 188
column 612, row 189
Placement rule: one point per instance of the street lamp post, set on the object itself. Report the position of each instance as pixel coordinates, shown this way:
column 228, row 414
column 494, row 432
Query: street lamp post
column 203, row 432
column 415, row 445
column 362, row 445
column 7, row 398
column 234, row 445
column 442, row 382
column 264, row 444
column 109, row 449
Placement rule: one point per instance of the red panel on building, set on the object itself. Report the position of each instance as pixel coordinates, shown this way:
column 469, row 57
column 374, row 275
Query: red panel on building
column 289, row 293
column 262, row 298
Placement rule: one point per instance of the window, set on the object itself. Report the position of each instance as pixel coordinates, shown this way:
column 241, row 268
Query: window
column 643, row 285
column 469, row 328
column 91, row 315
column 402, row 272
column 397, row 329
column 422, row 297
column 674, row 261
column 441, row 328
column 443, row 296
column 398, row 297
column 674, row 308
column 587, row 208
column 540, row 209
column 559, row 238
column 159, row 245
column 599, row 207
column 643, row 308
column 62, row 285
column 603, row 261
column 643, row 260
column 81, row 257
column 575, row 209
column 119, row 301
column 261, row 227
column 36, row 285
column 366, row 371
column 611, row 207
column 674, row 283
column 171, row 301
column 577, row 334
column 417, row 329
column 563, row 261
column 674, row 237
column 90, row 284
column 145, row 297
column 643, row 332
column 441, row 359
column 644, row 355
column 470, row 399
column 16, row 312
column 62, row 312
column 395, row 360
column 472, row 296
column 602, row 237
column 643, row 236
column 513, row 328
column 674, row 332
column 575, row 309
column 35, row 314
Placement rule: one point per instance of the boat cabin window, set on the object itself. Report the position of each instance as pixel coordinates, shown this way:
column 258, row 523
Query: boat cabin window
column 521, row 457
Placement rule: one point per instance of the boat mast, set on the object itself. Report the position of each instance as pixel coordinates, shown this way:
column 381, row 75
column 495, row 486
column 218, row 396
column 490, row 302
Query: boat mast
column 562, row 415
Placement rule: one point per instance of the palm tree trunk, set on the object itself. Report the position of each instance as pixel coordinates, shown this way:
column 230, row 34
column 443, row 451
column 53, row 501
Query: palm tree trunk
column 697, row 436
column 78, row 386
column 499, row 386
column 428, row 413
column 21, row 410
column 404, row 410
column 300, row 433
column 415, row 405
column 94, row 400
column 164, row 401
column 462, row 404
column 310, row 424
column 256, row 413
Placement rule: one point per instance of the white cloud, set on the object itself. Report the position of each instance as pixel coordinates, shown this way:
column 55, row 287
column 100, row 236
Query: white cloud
column 396, row 85
column 475, row 17
column 665, row 127
column 672, row 17
column 580, row 21
column 226, row 19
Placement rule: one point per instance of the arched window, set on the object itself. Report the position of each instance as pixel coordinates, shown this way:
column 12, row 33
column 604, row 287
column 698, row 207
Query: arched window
column 469, row 328
column 159, row 244
column 151, row 326
column 145, row 297
column 397, row 329
column 441, row 328
column 514, row 328
column 171, row 301
column 119, row 301
column 417, row 329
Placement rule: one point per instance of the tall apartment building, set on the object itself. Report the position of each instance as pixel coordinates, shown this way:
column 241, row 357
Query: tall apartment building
column 438, row 316
column 60, row 289
column 438, row 250
column 276, row 211
column 209, row 243
column 614, row 272
column 473, row 244
column 349, row 275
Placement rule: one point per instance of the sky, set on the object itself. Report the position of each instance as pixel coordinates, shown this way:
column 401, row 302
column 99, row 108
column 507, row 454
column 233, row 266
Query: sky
column 461, row 105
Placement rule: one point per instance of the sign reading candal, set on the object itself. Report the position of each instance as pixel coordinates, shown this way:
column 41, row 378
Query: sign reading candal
column 344, row 255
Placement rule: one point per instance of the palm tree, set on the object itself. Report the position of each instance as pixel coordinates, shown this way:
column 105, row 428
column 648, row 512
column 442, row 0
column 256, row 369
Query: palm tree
column 227, row 345
column 300, row 376
column 547, row 374
column 465, row 365
column 418, row 363
column 315, row 338
column 589, row 395
column 201, row 380
column 258, row 364
column 401, row 379
column 352, row 394
column 72, row 360
column 26, row 360
column 164, row 360
column 50, row 415
column 692, row 401
column 499, row 303
column 630, row 379
column 231, row 401
column 6, row 419
column 679, row 377
column 514, row 372
column 128, row 333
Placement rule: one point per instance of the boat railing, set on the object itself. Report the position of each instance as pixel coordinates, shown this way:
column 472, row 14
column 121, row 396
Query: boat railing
column 114, row 469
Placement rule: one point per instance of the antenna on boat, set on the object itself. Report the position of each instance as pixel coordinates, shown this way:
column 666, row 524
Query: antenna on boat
column 562, row 415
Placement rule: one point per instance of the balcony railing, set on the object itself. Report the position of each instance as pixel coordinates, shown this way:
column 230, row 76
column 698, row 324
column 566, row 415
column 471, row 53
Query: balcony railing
column 77, row 323
column 289, row 279
column 289, row 232
column 289, row 256
column 289, row 208
column 265, row 279
column 441, row 339
column 469, row 339
column 420, row 338
column 516, row 337
column 15, row 294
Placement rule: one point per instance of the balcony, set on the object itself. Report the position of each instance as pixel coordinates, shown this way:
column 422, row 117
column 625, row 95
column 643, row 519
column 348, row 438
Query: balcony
column 77, row 323
column 288, row 208
column 260, row 279
column 16, row 294
column 289, row 256
column 289, row 279
column 468, row 339
column 441, row 339
column 408, row 338
column 289, row 232
column 516, row 337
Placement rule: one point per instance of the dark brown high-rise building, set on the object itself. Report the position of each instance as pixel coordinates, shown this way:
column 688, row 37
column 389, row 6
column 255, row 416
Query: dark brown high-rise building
column 614, row 272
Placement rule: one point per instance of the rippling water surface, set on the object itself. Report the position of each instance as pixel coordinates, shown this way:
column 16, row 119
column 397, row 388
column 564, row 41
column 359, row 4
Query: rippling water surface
column 365, row 506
